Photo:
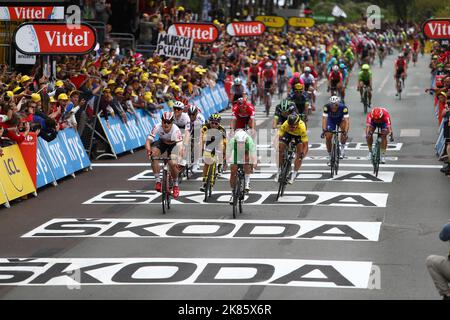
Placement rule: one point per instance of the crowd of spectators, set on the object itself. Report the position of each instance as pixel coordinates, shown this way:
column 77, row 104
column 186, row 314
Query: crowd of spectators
column 440, row 87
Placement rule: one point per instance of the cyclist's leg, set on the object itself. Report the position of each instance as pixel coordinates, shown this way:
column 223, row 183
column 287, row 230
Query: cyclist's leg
column 384, row 142
column 328, row 136
column 247, row 172
column 298, row 158
column 282, row 148
column 233, row 171
column 369, row 137
column 156, row 152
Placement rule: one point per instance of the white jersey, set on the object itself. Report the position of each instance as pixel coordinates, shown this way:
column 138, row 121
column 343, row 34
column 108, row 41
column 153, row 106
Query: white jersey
column 174, row 135
column 199, row 121
column 183, row 122
column 307, row 79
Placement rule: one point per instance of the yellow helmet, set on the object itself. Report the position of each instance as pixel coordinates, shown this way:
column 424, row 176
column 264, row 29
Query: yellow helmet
column 298, row 86
column 63, row 96
column 25, row 78
column 36, row 97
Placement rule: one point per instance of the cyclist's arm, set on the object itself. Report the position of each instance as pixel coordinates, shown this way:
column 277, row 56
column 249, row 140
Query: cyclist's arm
column 324, row 122
column 275, row 122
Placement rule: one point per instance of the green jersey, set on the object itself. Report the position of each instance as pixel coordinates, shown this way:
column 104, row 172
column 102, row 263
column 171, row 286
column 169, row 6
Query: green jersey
column 365, row 76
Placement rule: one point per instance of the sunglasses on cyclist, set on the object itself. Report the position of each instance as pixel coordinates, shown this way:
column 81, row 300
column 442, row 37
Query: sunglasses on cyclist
column 167, row 122
column 215, row 123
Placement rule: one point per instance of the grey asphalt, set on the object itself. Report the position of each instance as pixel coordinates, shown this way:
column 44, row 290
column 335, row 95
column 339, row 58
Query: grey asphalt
column 417, row 207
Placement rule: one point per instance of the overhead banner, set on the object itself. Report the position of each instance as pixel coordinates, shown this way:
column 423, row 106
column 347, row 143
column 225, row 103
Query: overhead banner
column 200, row 32
column 246, row 28
column 174, row 46
column 272, row 21
column 49, row 38
column 437, row 29
column 31, row 13
column 14, row 176
column 301, row 22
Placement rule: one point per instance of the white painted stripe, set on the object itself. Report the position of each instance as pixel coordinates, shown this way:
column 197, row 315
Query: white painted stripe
column 356, row 165
column 384, row 82
column 208, row 228
column 340, row 199
column 410, row 133
column 414, row 94
column 191, row 271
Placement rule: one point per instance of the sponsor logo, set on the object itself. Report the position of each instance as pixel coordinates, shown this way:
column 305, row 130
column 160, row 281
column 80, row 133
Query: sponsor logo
column 14, row 174
column 437, row 28
column 54, row 38
column 200, row 32
column 180, row 271
column 301, row 22
column 246, row 29
column 320, row 175
column 272, row 21
column 309, row 198
column 31, row 13
column 210, row 228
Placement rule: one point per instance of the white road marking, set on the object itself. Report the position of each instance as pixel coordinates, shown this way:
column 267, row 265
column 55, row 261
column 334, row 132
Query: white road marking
column 410, row 133
column 384, row 82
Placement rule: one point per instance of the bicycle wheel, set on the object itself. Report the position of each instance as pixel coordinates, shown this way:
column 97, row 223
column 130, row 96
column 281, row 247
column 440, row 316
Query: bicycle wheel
column 163, row 191
column 376, row 159
column 332, row 157
column 208, row 183
column 241, row 193
column 235, row 200
column 213, row 179
column 169, row 191
column 282, row 180
column 365, row 102
column 337, row 156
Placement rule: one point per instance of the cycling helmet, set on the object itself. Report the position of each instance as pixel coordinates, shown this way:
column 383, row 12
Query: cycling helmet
column 168, row 117
column 293, row 119
column 377, row 114
column 365, row 67
column 215, row 117
column 241, row 136
column 283, row 58
column 255, row 62
column 193, row 109
column 237, row 81
column 335, row 68
column 240, row 100
column 342, row 66
column 178, row 105
column 296, row 75
column 307, row 69
column 268, row 65
column 335, row 100
column 407, row 44
column 286, row 105
column 400, row 55
column 298, row 86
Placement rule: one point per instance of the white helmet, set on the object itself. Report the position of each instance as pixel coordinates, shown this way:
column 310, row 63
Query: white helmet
column 335, row 99
column 307, row 69
column 241, row 136
column 178, row 105
column 335, row 68
column 237, row 81
column 283, row 57
column 268, row 65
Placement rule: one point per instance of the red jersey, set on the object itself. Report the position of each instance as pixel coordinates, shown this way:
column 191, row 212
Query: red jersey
column 253, row 71
column 386, row 119
column 416, row 45
column 400, row 63
column 335, row 76
column 268, row 74
column 243, row 114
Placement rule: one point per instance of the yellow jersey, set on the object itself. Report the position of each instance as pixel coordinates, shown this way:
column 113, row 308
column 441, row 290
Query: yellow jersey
column 300, row 130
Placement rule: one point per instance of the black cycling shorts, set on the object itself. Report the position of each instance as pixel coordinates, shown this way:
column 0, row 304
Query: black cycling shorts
column 287, row 138
column 254, row 78
column 163, row 147
column 267, row 85
column 399, row 73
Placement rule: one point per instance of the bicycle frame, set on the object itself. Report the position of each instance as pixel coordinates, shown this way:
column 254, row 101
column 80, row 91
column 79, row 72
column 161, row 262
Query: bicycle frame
column 166, row 184
column 376, row 152
column 335, row 152
column 238, row 190
column 211, row 176
column 288, row 157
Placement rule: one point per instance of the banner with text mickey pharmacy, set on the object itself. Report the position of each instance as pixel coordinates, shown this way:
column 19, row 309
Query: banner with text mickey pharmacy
column 15, row 181
column 123, row 137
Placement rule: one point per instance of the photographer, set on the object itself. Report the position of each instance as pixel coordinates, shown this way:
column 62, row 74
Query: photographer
column 439, row 267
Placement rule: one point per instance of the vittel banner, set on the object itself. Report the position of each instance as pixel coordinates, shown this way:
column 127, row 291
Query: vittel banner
column 54, row 38
column 246, row 28
column 200, row 32
column 31, row 13
column 437, row 29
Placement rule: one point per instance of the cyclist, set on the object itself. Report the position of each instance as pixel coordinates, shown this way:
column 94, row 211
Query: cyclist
column 293, row 129
column 349, row 57
column 170, row 141
column 213, row 135
column 379, row 117
column 365, row 79
column 253, row 77
column 407, row 52
column 299, row 97
column 335, row 114
column 345, row 78
column 197, row 120
column 243, row 115
column 335, row 81
column 241, row 150
column 400, row 67
column 415, row 48
column 310, row 85
column 268, row 78
column 182, row 119
column 237, row 90
column 282, row 68
column 282, row 111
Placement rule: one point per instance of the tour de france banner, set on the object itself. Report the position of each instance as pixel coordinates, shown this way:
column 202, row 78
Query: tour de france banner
column 14, row 177
column 174, row 46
